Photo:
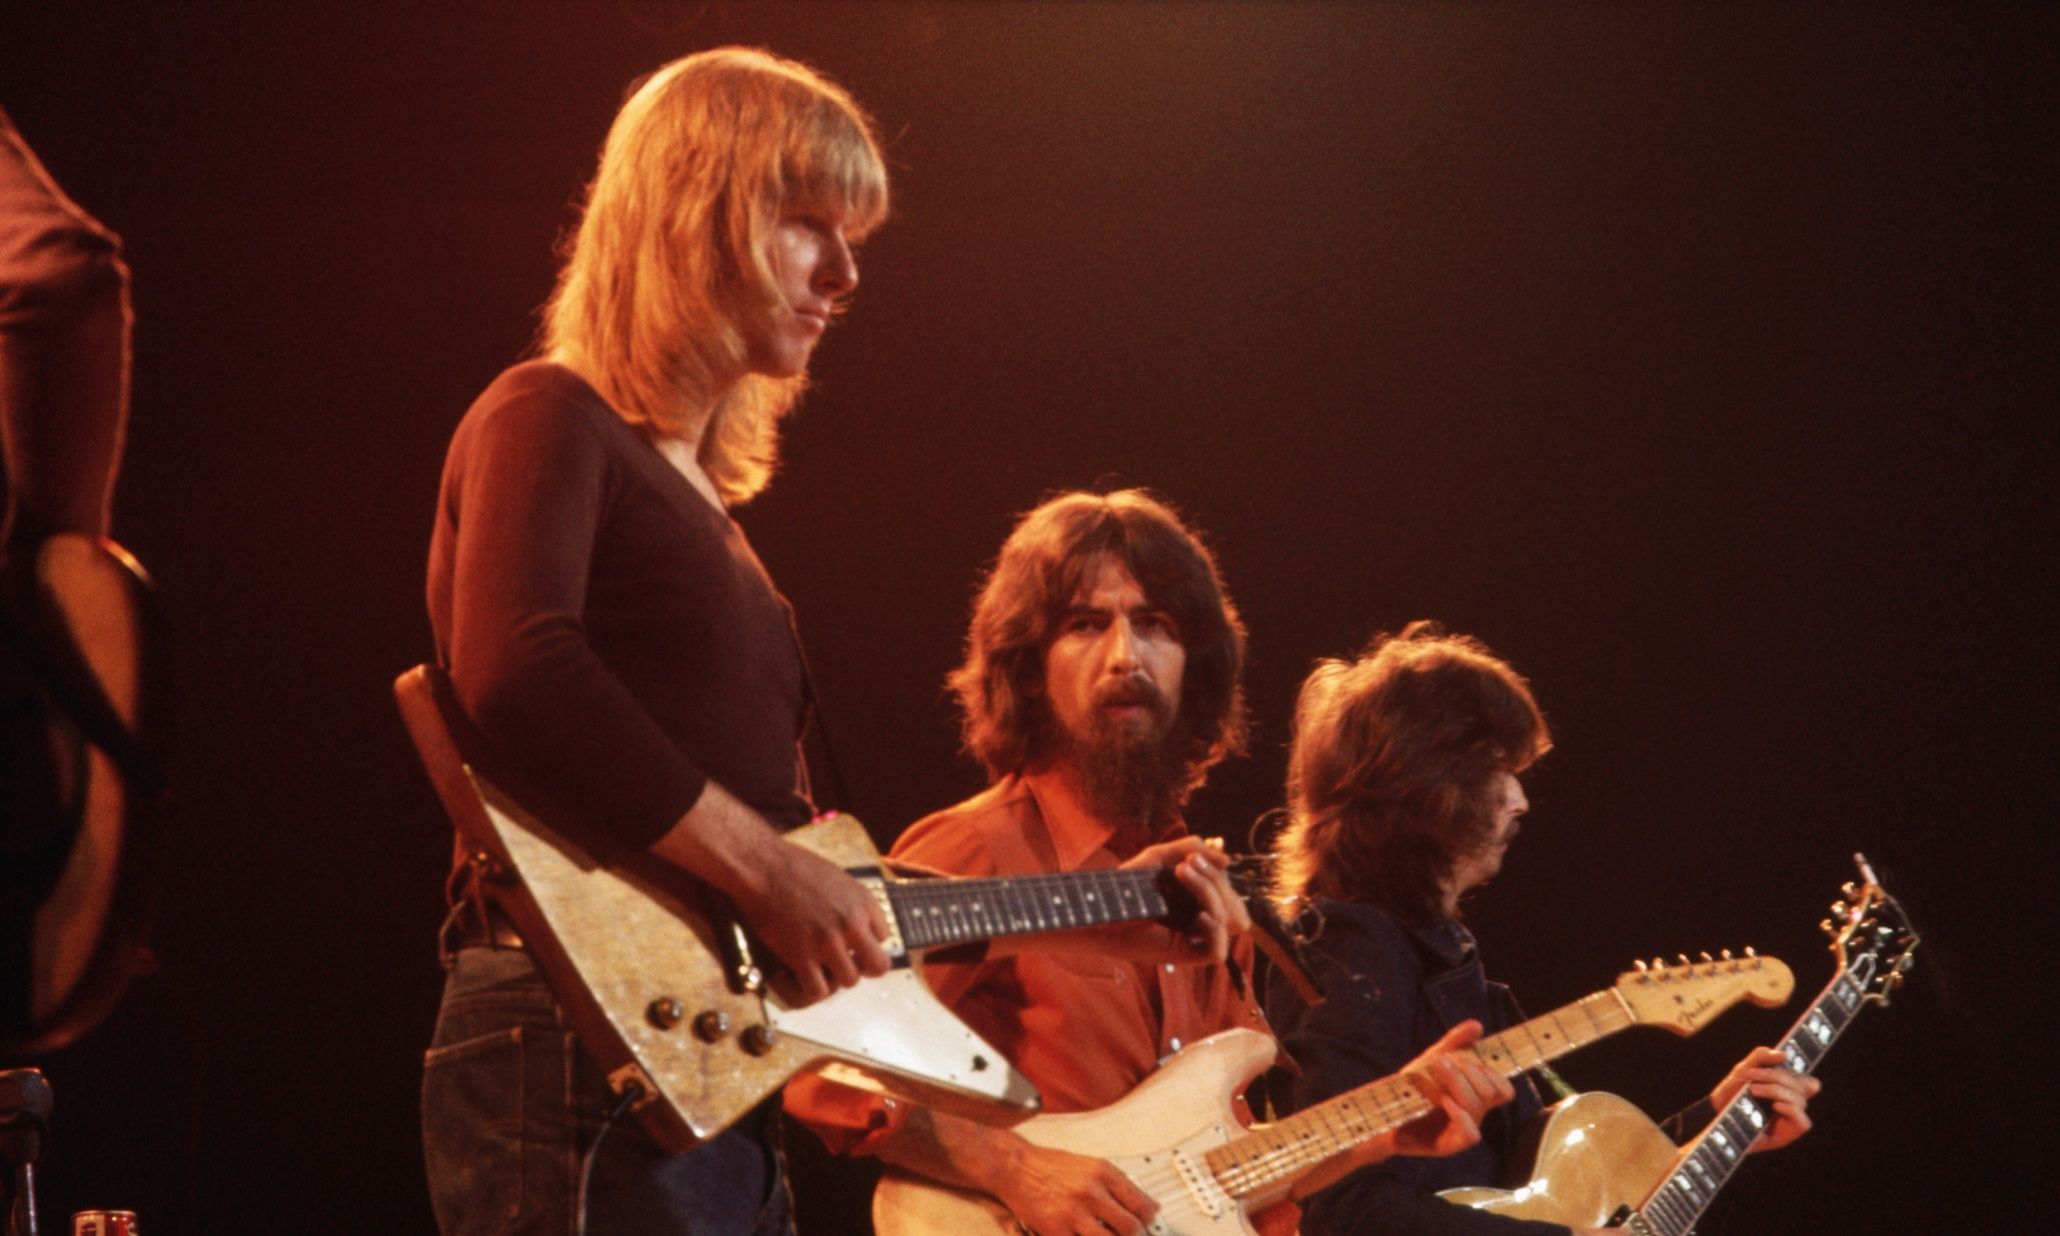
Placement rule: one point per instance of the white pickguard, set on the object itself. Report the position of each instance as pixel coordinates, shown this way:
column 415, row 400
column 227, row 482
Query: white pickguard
column 1177, row 1115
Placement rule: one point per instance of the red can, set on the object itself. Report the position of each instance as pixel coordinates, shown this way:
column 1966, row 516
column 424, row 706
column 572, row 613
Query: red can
column 104, row 1223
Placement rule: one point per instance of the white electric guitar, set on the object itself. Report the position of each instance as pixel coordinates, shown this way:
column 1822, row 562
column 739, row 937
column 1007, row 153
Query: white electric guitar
column 660, row 981
column 1177, row 1138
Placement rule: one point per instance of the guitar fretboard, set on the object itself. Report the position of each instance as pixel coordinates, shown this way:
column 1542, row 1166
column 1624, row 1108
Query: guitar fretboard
column 1715, row 1154
column 937, row 913
column 1262, row 1163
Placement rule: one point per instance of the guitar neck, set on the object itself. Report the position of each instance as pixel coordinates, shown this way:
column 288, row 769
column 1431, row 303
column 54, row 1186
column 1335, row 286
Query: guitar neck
column 1711, row 1159
column 939, row 913
column 1265, row 1162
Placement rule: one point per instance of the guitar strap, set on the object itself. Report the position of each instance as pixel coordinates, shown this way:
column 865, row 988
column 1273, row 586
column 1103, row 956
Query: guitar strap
column 813, row 719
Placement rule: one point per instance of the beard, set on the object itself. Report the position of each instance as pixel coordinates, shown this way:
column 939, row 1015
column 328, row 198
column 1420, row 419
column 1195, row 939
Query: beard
column 1132, row 769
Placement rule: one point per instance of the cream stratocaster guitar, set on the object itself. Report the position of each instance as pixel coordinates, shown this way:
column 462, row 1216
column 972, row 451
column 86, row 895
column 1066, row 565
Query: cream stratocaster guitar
column 661, row 984
column 1176, row 1137
column 1602, row 1163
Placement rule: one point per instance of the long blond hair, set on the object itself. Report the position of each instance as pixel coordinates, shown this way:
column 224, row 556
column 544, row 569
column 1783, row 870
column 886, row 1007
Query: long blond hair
column 665, row 280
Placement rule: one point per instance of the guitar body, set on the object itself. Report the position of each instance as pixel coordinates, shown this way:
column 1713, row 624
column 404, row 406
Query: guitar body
column 1182, row 1111
column 653, row 977
column 1594, row 1153
column 1178, row 1140
column 77, row 819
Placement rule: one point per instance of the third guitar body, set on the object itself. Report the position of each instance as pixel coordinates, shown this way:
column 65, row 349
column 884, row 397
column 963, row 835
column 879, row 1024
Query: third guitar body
column 1595, row 1153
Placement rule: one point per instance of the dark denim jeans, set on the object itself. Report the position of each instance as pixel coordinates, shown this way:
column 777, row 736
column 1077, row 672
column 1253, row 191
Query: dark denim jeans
column 511, row 1104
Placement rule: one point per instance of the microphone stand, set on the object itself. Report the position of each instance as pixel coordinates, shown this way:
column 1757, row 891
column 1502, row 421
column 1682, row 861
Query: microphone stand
column 24, row 1120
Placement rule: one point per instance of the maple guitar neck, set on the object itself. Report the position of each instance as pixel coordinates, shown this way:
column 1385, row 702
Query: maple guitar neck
column 941, row 913
column 1267, row 1161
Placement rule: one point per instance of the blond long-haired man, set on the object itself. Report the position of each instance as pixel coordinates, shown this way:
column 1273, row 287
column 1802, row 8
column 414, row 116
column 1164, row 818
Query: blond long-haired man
column 610, row 632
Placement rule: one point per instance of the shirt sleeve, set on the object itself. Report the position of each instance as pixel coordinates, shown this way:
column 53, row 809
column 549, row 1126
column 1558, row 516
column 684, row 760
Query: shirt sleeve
column 64, row 352
column 528, row 490
column 1360, row 1033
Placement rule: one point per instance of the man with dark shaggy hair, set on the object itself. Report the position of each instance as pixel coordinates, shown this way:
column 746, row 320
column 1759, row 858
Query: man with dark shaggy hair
column 1100, row 684
column 1402, row 799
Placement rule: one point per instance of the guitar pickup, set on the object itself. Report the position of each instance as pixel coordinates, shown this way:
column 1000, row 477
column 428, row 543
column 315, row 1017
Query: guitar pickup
column 876, row 884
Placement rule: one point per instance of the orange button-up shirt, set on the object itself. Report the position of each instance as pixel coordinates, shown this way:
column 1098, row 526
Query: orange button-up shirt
column 1084, row 1027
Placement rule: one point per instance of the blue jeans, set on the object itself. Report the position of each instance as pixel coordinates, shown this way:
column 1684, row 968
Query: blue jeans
column 511, row 1105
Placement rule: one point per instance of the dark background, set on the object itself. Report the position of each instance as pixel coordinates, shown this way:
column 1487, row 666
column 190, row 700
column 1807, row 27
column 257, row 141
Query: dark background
column 1693, row 357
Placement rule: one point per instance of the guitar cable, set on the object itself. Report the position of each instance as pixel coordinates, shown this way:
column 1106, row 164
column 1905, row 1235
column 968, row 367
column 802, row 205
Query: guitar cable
column 631, row 1093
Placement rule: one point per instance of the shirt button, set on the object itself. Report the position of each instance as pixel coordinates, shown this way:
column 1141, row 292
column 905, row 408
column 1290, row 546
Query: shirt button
column 1173, row 1045
column 1169, row 967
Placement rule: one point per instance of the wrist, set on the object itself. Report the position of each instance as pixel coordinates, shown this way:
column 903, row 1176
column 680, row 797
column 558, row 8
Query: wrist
column 992, row 1159
column 725, row 845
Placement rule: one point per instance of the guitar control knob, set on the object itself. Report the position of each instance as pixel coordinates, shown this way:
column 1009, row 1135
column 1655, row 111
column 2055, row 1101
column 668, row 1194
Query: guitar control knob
column 666, row 1012
column 711, row 1024
column 759, row 1039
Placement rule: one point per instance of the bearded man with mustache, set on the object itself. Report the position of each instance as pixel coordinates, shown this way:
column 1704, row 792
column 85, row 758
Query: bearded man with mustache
column 1100, row 683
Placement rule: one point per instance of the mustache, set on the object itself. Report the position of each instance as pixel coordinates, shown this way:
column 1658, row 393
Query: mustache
column 1130, row 691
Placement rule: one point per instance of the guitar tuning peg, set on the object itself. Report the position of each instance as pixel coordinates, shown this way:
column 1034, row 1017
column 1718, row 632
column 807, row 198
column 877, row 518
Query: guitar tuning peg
column 1682, row 959
column 1660, row 965
column 1828, row 927
column 1642, row 967
column 1849, row 888
column 1839, row 909
column 1751, row 954
column 1726, row 954
column 1706, row 957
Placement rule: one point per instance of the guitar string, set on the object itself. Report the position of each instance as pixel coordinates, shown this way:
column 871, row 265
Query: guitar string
column 1246, row 1166
column 954, row 912
column 1669, row 1201
column 1290, row 1147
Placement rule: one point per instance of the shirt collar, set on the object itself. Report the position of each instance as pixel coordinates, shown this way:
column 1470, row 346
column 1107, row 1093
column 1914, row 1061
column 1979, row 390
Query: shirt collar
column 1445, row 938
column 1077, row 834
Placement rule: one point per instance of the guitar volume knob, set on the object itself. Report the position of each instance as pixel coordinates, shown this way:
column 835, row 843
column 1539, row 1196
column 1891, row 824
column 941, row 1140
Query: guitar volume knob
column 711, row 1024
column 666, row 1012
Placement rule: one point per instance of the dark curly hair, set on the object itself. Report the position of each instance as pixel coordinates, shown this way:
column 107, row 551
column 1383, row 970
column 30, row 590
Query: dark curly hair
column 1391, row 771
column 1043, row 566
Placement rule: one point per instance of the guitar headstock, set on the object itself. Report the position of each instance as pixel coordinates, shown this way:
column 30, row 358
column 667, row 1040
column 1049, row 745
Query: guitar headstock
column 1685, row 996
column 1871, row 935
